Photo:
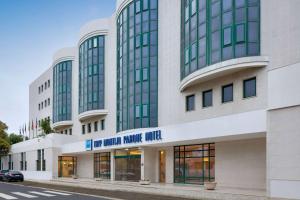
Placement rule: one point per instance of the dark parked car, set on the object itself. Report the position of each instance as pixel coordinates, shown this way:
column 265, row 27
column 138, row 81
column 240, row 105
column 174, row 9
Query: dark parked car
column 2, row 172
column 13, row 176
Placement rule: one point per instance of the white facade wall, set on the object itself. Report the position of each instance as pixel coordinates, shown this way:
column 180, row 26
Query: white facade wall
column 151, row 164
column 284, row 152
column 85, row 165
column 241, row 164
column 35, row 99
column 280, row 32
column 280, row 41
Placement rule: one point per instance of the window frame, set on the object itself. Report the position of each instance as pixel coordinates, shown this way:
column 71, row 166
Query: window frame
column 102, row 124
column 223, row 36
column 89, row 127
column 232, row 97
column 244, row 87
column 96, row 126
column 137, row 110
column 83, row 132
column 245, row 33
column 216, row 49
column 203, row 98
column 187, row 98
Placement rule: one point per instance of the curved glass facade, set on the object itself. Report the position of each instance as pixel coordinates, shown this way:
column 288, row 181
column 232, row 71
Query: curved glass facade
column 62, row 91
column 218, row 30
column 137, row 65
column 91, row 74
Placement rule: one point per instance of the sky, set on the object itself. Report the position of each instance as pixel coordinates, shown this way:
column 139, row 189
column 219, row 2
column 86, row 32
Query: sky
column 30, row 33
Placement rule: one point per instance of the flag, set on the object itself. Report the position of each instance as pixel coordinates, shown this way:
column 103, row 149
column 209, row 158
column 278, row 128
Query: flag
column 25, row 127
column 36, row 123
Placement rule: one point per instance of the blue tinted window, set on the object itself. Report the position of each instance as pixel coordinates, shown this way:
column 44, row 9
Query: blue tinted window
column 223, row 29
column 240, row 33
column 207, row 98
column 62, row 84
column 227, row 93
column 91, row 74
column 190, row 103
column 137, row 67
column 250, row 87
column 137, row 111
column 227, row 36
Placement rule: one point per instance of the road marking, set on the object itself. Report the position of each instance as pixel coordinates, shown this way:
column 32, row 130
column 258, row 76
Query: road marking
column 5, row 196
column 24, row 195
column 75, row 193
column 42, row 194
column 59, row 193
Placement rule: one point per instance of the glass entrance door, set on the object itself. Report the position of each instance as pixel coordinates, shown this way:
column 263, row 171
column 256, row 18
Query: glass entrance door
column 128, row 165
column 194, row 164
column 162, row 166
column 102, row 165
column 67, row 166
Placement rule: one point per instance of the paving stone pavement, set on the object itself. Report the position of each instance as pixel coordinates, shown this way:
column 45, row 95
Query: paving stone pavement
column 128, row 190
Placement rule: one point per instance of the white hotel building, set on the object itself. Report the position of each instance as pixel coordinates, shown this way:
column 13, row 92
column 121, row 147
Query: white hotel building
column 174, row 91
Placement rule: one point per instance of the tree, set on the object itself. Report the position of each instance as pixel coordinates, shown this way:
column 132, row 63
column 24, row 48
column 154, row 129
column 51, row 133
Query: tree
column 14, row 138
column 3, row 129
column 4, row 147
column 46, row 127
column 6, row 140
column 4, row 144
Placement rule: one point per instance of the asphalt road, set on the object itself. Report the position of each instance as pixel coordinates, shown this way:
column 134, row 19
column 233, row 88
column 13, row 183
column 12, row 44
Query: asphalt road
column 21, row 192
column 80, row 193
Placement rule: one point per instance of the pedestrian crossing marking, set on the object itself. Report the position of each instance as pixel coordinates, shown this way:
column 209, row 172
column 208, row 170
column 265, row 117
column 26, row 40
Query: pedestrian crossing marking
column 42, row 194
column 24, row 195
column 59, row 193
column 6, row 196
column 32, row 194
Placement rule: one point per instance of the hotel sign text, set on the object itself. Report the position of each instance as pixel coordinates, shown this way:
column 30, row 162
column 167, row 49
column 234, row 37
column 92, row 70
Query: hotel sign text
column 138, row 138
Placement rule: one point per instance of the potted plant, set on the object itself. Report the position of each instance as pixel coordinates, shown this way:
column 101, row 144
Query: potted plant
column 74, row 176
column 210, row 185
column 98, row 179
column 144, row 182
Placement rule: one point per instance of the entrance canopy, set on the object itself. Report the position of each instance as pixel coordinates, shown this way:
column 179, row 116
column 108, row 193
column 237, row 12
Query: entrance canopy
column 233, row 127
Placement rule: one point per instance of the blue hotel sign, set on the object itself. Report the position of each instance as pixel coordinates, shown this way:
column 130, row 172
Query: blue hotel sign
column 89, row 145
column 137, row 138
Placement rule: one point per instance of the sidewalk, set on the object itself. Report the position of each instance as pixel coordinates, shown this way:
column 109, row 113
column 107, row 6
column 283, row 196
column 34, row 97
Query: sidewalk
column 176, row 190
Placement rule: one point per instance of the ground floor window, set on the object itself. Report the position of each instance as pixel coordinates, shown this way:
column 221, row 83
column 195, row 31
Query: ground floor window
column 102, row 165
column 128, row 165
column 23, row 162
column 194, row 164
column 67, row 166
column 40, row 162
column 10, row 163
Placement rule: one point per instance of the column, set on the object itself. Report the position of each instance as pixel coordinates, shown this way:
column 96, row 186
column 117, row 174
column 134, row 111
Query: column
column 143, row 164
column 112, row 165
